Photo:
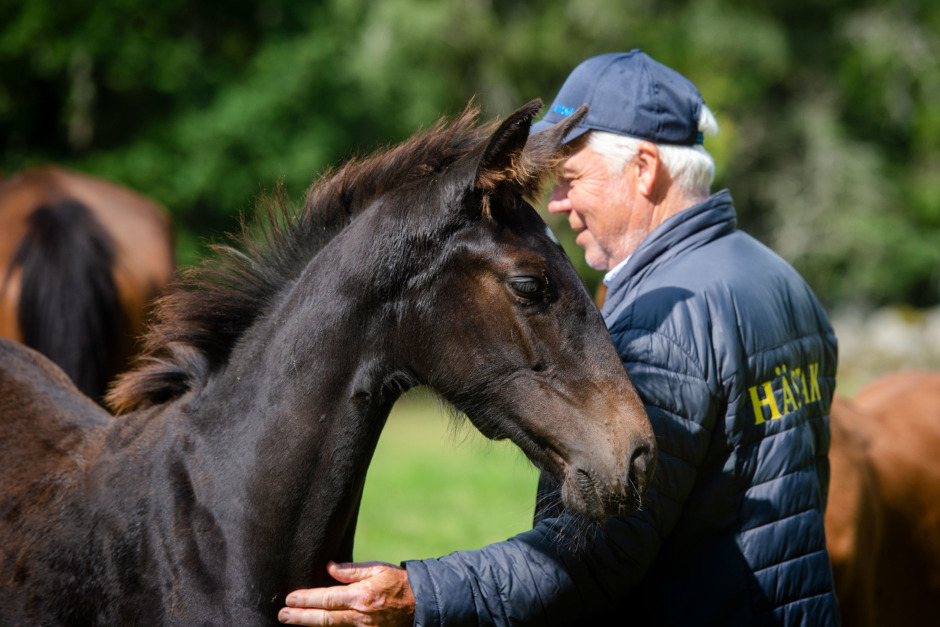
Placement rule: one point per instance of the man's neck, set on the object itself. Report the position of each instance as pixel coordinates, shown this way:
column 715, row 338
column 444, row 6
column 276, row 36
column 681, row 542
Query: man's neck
column 673, row 203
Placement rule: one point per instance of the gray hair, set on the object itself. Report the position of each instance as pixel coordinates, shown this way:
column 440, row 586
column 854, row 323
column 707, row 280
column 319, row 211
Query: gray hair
column 691, row 167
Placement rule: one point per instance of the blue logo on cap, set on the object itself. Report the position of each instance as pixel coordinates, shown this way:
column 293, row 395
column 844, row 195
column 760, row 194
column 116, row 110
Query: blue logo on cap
column 565, row 111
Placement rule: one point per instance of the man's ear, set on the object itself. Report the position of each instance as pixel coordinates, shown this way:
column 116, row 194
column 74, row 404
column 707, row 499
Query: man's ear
column 649, row 170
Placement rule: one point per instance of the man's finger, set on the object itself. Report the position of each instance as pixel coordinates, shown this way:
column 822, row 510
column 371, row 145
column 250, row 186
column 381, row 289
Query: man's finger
column 334, row 598
column 303, row 616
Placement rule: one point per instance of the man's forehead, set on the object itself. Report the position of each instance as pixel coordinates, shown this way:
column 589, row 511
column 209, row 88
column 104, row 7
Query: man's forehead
column 581, row 156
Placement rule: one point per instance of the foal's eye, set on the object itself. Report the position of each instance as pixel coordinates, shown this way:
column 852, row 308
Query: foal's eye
column 526, row 287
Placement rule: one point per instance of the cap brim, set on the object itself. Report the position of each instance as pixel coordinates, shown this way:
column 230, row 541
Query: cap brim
column 574, row 133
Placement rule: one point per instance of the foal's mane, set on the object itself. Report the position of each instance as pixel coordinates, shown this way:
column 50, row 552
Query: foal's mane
column 196, row 324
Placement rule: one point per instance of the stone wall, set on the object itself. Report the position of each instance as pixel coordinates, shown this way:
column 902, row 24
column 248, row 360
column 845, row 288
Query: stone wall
column 872, row 343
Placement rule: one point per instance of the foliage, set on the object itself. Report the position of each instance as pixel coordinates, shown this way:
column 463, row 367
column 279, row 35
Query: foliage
column 830, row 141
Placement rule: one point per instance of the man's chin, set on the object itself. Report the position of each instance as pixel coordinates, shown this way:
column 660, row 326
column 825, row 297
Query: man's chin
column 593, row 255
column 596, row 261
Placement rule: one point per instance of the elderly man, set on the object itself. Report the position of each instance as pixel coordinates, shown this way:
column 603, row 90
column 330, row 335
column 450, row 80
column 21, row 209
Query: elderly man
column 735, row 360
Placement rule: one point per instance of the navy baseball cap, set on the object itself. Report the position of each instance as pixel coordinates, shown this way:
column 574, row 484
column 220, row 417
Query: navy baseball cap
column 629, row 94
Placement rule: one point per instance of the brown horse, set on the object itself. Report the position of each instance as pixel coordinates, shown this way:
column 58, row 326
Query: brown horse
column 237, row 471
column 80, row 258
column 883, row 517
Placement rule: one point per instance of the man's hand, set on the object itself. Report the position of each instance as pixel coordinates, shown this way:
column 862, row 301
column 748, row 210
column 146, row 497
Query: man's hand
column 377, row 594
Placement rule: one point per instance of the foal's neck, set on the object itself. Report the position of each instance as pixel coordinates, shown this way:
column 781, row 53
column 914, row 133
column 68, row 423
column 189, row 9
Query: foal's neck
column 300, row 407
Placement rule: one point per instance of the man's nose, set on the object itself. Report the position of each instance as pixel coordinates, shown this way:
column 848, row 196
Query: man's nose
column 558, row 202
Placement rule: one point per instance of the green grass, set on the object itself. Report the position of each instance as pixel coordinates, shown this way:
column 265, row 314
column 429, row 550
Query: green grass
column 432, row 489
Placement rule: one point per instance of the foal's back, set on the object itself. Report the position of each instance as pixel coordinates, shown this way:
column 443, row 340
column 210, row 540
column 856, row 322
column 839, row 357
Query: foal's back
column 48, row 430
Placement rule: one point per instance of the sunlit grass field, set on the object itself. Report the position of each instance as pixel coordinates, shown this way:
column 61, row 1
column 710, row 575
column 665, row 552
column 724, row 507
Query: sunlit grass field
column 432, row 489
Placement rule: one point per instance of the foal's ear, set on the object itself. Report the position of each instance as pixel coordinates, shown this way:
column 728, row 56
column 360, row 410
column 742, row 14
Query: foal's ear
column 517, row 162
column 545, row 148
column 506, row 144
column 502, row 160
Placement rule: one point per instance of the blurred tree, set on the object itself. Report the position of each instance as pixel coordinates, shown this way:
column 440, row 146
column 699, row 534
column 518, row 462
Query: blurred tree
column 830, row 136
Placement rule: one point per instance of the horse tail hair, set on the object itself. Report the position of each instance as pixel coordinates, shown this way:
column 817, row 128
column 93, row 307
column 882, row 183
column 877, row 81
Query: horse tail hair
column 69, row 307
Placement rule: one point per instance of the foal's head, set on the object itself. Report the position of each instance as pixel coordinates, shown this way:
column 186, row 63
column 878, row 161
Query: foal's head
column 494, row 317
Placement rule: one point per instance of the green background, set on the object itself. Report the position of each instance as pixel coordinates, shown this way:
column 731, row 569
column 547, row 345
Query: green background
column 436, row 485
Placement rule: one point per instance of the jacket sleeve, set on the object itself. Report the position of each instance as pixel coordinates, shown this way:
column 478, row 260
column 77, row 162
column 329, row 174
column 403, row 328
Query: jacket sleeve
column 564, row 568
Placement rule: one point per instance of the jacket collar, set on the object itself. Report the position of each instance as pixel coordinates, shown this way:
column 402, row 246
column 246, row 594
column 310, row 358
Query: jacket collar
column 686, row 230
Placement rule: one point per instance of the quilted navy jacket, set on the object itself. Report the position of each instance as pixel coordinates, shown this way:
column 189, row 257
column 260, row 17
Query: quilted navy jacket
column 735, row 360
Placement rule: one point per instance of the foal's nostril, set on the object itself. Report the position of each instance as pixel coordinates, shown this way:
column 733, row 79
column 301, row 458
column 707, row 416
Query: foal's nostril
column 585, row 480
column 642, row 461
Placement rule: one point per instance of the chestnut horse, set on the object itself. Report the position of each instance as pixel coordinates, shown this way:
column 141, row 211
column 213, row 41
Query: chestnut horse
column 80, row 258
column 883, row 516
column 235, row 468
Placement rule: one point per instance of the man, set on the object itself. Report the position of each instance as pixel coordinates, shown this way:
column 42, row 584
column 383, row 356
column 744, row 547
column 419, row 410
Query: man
column 735, row 361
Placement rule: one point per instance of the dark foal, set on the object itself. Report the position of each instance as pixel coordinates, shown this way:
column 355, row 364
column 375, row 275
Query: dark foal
column 235, row 469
